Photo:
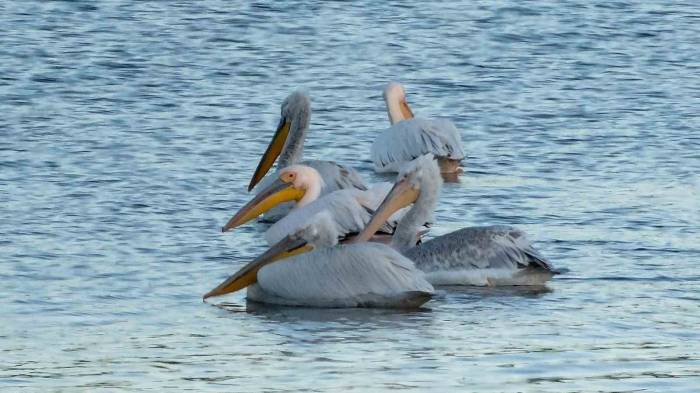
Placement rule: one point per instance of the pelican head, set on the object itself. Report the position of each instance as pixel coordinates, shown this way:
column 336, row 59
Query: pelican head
column 288, row 141
column 298, row 183
column 321, row 231
column 396, row 105
column 418, row 182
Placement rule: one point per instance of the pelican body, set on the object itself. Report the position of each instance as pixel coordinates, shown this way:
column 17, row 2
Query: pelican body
column 410, row 137
column 288, row 145
column 483, row 256
column 309, row 268
column 354, row 275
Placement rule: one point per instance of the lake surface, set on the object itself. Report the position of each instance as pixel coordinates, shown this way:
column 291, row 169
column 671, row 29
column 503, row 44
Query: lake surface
column 129, row 133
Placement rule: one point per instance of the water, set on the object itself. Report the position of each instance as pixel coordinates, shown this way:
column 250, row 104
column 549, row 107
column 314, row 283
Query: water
column 130, row 131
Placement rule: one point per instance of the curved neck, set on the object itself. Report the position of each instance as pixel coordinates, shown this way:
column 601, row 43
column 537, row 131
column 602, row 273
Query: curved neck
column 293, row 148
column 393, row 108
column 313, row 191
column 420, row 213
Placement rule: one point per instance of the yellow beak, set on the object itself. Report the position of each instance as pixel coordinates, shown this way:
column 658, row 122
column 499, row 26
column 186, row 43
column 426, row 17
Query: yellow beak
column 406, row 110
column 273, row 151
column 401, row 195
column 248, row 274
column 278, row 192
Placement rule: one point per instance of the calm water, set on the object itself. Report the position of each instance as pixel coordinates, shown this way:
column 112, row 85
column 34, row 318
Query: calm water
column 129, row 133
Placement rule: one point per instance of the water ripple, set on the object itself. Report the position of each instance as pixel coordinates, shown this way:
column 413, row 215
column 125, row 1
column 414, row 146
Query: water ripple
column 130, row 130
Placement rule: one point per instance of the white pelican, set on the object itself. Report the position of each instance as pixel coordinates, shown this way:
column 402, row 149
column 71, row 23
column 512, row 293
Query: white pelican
column 330, row 275
column 410, row 137
column 288, row 145
column 351, row 209
column 483, row 256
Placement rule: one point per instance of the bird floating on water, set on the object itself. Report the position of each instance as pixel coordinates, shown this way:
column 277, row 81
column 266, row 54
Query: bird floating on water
column 310, row 268
column 410, row 137
column 484, row 256
column 318, row 258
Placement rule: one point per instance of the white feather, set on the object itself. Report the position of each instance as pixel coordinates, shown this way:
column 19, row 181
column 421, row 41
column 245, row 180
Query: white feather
column 356, row 275
column 334, row 176
column 349, row 215
column 411, row 138
column 349, row 209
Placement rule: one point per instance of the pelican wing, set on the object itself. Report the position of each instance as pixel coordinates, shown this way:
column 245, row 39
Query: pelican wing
column 478, row 248
column 375, row 194
column 355, row 275
column 350, row 208
column 412, row 138
column 336, row 176
column 343, row 205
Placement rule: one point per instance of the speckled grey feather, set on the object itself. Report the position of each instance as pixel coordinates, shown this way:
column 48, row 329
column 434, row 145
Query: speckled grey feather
column 487, row 255
column 487, row 247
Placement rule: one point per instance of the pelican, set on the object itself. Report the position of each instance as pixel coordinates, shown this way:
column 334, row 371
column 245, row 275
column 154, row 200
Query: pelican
column 288, row 145
column 310, row 268
column 351, row 209
column 483, row 256
column 409, row 137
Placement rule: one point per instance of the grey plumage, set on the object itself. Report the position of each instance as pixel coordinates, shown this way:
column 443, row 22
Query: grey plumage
column 335, row 176
column 487, row 255
column 296, row 109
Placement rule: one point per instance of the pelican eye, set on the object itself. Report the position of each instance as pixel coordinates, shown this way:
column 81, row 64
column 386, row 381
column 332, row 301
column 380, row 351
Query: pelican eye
column 288, row 177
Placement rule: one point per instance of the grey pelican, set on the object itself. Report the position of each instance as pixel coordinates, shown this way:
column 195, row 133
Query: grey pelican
column 410, row 137
column 484, row 256
column 288, row 145
column 310, row 268
column 350, row 208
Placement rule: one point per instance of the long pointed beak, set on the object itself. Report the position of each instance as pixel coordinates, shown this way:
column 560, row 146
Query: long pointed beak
column 401, row 195
column 273, row 151
column 406, row 110
column 278, row 192
column 248, row 274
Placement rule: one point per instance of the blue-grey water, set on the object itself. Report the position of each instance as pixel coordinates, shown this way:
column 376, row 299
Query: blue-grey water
column 129, row 131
